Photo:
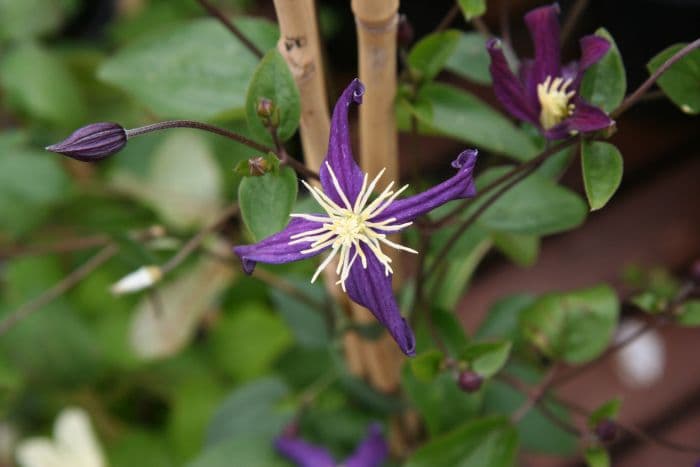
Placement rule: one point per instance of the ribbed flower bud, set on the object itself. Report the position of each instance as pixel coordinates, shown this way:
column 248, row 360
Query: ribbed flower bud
column 93, row 142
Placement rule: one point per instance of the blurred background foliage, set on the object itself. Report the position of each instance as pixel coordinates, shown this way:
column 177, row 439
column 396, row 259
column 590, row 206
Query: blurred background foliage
column 209, row 368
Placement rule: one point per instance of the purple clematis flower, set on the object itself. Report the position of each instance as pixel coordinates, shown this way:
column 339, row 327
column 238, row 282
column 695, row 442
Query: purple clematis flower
column 370, row 453
column 546, row 93
column 355, row 227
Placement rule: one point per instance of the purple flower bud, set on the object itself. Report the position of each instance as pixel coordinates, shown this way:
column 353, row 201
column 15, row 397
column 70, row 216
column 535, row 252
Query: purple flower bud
column 93, row 142
column 469, row 381
column 606, row 431
column 405, row 34
column 265, row 107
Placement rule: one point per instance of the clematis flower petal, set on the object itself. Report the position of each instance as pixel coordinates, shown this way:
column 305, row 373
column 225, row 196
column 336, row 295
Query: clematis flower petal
column 339, row 155
column 508, row 89
column 372, row 451
column 371, row 288
column 459, row 186
column 303, row 454
column 593, row 48
column 276, row 249
column 543, row 23
column 585, row 118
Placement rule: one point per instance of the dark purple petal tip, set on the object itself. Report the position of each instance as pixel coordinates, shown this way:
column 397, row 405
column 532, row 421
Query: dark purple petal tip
column 466, row 158
column 93, row 142
column 358, row 90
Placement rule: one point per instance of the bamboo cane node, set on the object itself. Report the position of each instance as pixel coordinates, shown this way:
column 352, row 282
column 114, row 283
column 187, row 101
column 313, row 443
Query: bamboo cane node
column 379, row 27
column 298, row 57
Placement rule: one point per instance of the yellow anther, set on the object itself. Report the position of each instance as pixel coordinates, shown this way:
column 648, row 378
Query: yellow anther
column 349, row 227
column 555, row 101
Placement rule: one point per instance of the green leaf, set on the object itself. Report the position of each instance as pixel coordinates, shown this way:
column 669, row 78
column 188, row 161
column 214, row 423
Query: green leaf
column 244, row 451
column 689, row 313
column 491, row 442
column 574, row 326
column 426, row 366
column 196, row 70
column 183, row 184
column 446, row 110
column 272, row 80
column 597, row 457
column 36, row 83
column 430, row 54
column 252, row 410
column 307, row 324
column 247, row 341
column 441, row 403
column 29, row 18
column 520, row 249
column 20, row 168
column 535, row 206
column 503, row 316
column 472, row 8
column 470, row 60
column 140, row 447
column 607, row 411
column 604, row 84
column 267, row 201
column 487, row 358
column 681, row 82
column 601, row 164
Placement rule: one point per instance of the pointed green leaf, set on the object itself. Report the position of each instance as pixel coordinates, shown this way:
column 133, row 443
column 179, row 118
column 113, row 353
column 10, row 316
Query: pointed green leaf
column 681, row 82
column 267, row 201
column 689, row 313
column 426, row 366
column 487, row 358
column 520, row 249
column 472, row 8
column 446, row 110
column 272, row 80
column 607, row 411
column 470, row 60
column 430, row 54
column 195, row 70
column 601, row 164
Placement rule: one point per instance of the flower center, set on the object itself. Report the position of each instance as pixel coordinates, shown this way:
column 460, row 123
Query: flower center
column 554, row 100
column 347, row 228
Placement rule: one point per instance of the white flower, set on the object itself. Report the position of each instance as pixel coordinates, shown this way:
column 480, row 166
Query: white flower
column 73, row 444
column 142, row 278
column 641, row 363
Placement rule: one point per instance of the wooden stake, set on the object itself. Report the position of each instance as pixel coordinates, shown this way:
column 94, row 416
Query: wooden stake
column 377, row 22
column 300, row 45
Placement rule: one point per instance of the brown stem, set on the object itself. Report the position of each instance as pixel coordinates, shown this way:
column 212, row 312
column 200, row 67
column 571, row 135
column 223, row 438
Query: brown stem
column 505, row 24
column 481, row 27
column 198, row 126
column 448, row 18
column 572, row 18
column 195, row 242
column 534, row 395
column 286, row 159
column 228, row 24
column 59, row 289
column 444, row 252
column 641, row 90
column 630, row 428
column 454, row 214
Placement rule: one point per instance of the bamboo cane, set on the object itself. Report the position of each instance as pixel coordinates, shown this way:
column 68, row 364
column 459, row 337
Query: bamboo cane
column 376, row 23
column 299, row 44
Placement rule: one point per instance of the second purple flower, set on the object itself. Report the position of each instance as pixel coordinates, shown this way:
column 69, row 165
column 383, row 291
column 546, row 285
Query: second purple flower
column 546, row 93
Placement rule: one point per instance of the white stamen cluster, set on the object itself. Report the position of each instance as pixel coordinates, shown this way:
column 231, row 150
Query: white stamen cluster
column 554, row 100
column 351, row 226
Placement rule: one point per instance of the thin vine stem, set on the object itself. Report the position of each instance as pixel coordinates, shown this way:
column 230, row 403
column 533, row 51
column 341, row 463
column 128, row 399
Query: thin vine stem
column 198, row 126
column 228, row 24
column 646, row 85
